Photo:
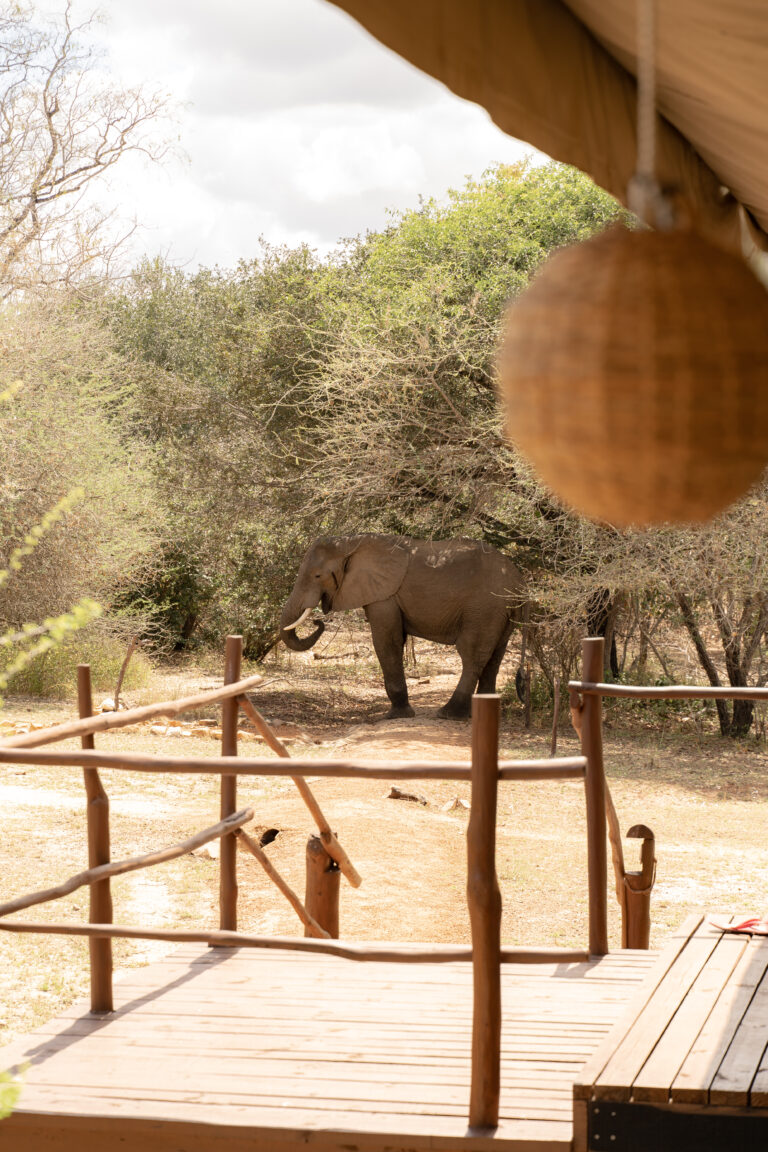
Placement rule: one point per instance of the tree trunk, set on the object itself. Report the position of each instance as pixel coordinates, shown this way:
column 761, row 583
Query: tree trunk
column 743, row 716
column 735, row 665
column 520, row 674
column 602, row 610
column 689, row 619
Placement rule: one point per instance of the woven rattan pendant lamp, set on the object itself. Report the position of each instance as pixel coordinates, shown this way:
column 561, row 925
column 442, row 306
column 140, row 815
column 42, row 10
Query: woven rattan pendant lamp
column 634, row 369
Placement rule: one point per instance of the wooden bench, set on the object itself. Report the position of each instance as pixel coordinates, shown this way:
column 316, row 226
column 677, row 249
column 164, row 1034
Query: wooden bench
column 687, row 1066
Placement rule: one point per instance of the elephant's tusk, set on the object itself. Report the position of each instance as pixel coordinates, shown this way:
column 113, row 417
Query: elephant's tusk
column 301, row 619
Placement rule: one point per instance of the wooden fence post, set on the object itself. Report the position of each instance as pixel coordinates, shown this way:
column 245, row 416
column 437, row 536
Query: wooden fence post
column 97, row 816
column 636, row 904
column 555, row 721
column 484, row 901
column 233, row 656
column 594, row 786
column 321, row 897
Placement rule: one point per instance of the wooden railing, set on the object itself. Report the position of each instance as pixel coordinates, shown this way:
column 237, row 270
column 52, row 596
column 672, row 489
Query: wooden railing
column 483, row 897
column 633, row 889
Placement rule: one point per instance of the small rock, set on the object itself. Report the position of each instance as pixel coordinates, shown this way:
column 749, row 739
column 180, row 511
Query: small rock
column 158, row 730
column 396, row 793
column 457, row 804
column 210, row 851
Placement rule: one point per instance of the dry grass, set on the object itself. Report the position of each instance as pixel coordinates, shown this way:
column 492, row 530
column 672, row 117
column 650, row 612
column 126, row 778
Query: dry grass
column 705, row 798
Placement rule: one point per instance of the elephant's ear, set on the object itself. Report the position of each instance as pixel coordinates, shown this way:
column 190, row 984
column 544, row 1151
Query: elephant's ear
column 373, row 571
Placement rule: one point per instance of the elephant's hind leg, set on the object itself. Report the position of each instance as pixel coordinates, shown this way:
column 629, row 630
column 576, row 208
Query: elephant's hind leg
column 487, row 683
column 388, row 635
column 481, row 656
column 473, row 660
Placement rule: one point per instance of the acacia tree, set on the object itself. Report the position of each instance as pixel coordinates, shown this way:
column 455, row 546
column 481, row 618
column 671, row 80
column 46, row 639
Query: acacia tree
column 64, row 445
column 719, row 578
column 712, row 580
column 61, row 129
column 63, row 126
column 403, row 425
column 223, row 358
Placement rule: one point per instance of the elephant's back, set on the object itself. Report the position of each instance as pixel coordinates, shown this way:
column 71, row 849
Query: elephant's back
column 464, row 559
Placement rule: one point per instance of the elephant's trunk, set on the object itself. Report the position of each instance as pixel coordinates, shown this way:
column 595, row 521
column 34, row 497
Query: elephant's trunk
column 291, row 617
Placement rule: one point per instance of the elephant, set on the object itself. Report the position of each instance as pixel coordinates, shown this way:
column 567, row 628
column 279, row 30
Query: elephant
column 460, row 592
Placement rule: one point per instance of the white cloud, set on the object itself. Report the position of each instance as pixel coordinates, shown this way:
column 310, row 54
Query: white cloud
column 298, row 126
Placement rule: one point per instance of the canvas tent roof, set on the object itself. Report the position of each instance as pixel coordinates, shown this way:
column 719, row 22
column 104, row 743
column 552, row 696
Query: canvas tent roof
column 559, row 74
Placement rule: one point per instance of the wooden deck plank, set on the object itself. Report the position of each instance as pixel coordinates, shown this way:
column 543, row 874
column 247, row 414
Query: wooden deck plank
column 693, row 1081
column 758, row 1096
column 175, row 1104
column 334, row 1044
column 654, row 1081
column 317, row 1049
column 616, row 1079
column 584, row 1083
column 732, row 1083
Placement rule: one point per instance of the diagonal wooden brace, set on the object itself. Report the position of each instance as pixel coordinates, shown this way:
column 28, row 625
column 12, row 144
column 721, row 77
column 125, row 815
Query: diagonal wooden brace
column 330, row 843
column 257, row 851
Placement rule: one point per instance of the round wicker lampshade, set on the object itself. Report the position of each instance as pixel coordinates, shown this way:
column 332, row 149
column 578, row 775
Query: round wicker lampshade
column 634, row 374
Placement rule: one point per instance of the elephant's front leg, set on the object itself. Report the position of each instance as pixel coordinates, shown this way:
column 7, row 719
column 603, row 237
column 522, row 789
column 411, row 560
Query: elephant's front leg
column 386, row 622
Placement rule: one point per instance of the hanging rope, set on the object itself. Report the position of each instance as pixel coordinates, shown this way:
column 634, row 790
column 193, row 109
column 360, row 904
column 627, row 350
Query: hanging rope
column 646, row 91
column 644, row 195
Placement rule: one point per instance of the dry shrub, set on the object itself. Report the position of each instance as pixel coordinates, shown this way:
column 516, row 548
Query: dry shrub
column 53, row 675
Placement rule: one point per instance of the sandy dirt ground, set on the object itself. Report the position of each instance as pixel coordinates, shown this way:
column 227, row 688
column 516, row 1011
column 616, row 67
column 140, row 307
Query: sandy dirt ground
column 706, row 799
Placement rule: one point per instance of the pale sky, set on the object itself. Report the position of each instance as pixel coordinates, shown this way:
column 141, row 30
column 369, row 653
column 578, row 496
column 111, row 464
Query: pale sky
column 296, row 125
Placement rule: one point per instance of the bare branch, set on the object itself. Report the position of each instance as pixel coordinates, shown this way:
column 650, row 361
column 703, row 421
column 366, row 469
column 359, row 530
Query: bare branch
column 61, row 129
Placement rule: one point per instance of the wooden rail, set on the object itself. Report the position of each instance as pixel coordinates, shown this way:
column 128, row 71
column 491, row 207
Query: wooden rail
column 668, row 692
column 522, row 771
column 108, row 721
column 379, row 953
column 101, row 872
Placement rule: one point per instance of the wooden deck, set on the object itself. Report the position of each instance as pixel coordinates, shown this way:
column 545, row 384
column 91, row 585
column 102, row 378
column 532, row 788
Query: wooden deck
column 246, row 1049
column 687, row 1068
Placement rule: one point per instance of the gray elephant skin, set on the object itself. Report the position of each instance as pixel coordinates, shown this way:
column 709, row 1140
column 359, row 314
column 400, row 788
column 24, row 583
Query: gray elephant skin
column 460, row 592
